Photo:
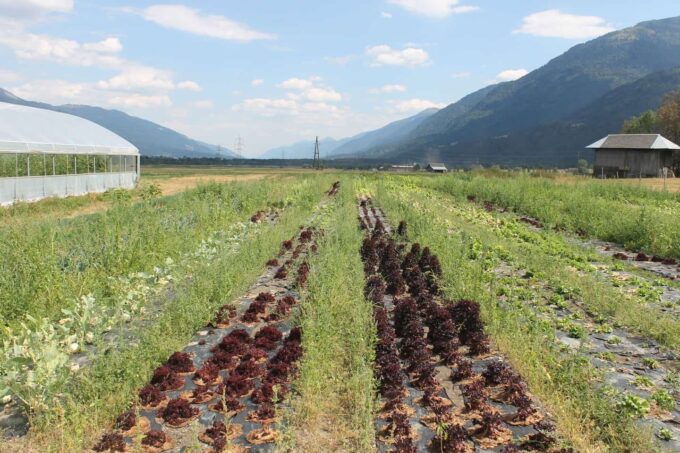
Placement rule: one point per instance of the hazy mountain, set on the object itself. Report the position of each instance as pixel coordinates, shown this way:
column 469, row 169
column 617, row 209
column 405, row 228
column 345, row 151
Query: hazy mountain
column 386, row 135
column 304, row 149
column 351, row 146
column 501, row 124
column 152, row 139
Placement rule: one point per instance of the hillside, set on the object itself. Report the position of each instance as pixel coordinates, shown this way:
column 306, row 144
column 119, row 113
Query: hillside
column 304, row 149
column 152, row 139
column 501, row 127
column 386, row 135
column 350, row 147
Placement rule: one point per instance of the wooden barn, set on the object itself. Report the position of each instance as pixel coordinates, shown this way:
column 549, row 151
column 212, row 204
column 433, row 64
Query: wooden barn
column 436, row 168
column 634, row 156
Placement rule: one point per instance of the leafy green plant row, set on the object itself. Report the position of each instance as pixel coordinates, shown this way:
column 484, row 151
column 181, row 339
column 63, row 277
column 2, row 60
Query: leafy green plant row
column 638, row 218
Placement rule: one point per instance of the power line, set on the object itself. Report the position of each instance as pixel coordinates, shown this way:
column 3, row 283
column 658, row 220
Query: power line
column 238, row 146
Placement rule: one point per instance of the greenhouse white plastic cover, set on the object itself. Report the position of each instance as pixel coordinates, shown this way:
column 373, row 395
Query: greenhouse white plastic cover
column 45, row 153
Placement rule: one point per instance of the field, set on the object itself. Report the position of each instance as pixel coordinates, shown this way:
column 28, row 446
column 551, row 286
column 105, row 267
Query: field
column 290, row 310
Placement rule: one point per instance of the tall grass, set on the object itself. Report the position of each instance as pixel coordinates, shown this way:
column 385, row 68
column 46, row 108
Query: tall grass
column 89, row 402
column 565, row 383
column 334, row 409
column 639, row 218
column 54, row 262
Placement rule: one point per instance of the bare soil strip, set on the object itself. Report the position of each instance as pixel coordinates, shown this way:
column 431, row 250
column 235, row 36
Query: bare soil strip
column 443, row 387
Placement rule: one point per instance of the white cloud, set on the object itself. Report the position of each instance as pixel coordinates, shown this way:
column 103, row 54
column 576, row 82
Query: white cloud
column 140, row 101
column 29, row 46
column 257, row 82
column 269, row 107
column 190, row 20
column 415, row 105
column 386, row 15
column 556, row 24
column 511, row 74
column 33, row 9
column 322, row 94
column 139, row 76
column 62, row 91
column 409, row 56
column 296, row 84
column 461, row 75
column 342, row 60
column 7, row 76
column 434, row 8
column 188, row 85
column 389, row 89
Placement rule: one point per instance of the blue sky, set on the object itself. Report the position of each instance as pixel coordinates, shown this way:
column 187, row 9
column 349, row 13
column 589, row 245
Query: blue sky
column 278, row 71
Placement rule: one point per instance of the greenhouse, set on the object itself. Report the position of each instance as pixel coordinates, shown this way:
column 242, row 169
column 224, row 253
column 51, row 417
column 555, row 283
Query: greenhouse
column 51, row 154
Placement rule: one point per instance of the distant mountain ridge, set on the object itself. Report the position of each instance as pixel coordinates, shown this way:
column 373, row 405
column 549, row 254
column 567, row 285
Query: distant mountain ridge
column 150, row 138
column 351, row 146
column 511, row 123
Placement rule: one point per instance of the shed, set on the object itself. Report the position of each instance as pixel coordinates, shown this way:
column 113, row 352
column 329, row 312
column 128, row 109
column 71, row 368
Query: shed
column 401, row 168
column 634, row 155
column 51, row 154
column 436, row 168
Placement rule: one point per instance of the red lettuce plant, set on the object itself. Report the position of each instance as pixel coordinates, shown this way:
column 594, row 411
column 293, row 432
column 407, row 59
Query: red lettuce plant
column 249, row 369
column 463, row 370
column 496, row 373
column 126, row 421
column 178, row 411
column 155, row 439
column 282, row 273
column 151, row 396
column 180, row 362
column 110, row 442
column 208, row 373
column 452, row 439
column 490, row 425
column 474, row 395
column 166, row 379
column 237, row 385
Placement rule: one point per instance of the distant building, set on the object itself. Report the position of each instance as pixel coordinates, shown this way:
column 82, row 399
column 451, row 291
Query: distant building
column 400, row 168
column 436, row 168
column 634, row 155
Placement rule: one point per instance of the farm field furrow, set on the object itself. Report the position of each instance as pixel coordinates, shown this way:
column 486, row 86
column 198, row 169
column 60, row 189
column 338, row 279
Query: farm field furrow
column 635, row 217
column 567, row 267
column 233, row 373
column 91, row 395
column 471, row 251
column 459, row 395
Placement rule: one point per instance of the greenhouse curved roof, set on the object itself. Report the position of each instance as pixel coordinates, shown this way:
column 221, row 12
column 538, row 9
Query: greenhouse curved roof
column 33, row 130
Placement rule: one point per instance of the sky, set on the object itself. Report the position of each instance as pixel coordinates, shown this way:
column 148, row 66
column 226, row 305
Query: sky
column 279, row 71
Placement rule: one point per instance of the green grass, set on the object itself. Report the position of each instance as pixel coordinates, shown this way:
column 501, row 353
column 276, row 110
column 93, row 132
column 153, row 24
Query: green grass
column 92, row 398
column 639, row 218
column 334, row 409
column 565, row 383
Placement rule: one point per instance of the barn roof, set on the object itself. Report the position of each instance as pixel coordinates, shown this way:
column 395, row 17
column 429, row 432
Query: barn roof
column 28, row 129
column 634, row 141
column 437, row 166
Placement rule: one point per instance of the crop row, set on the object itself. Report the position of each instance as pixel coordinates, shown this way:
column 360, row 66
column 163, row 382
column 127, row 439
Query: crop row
column 430, row 349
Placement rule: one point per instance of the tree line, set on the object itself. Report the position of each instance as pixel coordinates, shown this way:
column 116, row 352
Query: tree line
column 664, row 121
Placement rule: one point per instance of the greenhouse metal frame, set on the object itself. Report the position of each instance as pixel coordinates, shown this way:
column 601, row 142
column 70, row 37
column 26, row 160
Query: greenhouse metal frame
column 52, row 154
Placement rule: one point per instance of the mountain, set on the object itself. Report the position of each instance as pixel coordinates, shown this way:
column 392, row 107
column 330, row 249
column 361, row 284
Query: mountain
column 150, row 138
column 304, row 149
column 351, row 146
column 386, row 135
column 499, row 124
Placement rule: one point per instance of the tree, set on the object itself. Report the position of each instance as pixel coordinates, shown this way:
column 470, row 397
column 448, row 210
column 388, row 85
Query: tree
column 647, row 123
column 582, row 166
column 668, row 117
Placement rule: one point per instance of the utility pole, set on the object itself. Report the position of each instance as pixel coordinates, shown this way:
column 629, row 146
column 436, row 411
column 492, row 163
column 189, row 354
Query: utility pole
column 238, row 146
column 317, row 158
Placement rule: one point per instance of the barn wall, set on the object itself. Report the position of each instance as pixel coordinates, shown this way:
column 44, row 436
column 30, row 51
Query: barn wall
column 627, row 163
